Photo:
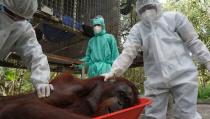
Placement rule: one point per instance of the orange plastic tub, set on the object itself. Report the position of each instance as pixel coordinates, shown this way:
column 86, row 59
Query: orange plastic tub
column 128, row 113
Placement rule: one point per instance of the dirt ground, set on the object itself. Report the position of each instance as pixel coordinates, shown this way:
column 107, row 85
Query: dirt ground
column 203, row 109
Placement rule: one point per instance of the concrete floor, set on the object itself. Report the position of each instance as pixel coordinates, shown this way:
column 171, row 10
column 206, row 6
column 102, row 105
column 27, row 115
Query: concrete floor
column 203, row 109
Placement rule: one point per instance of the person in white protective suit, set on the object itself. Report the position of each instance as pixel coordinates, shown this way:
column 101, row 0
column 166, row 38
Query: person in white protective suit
column 17, row 35
column 167, row 38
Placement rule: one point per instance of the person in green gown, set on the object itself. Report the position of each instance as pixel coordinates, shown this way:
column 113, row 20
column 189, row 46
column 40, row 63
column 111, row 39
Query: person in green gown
column 101, row 50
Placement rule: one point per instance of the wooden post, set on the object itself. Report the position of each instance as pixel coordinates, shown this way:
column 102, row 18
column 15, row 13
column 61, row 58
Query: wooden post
column 75, row 14
column 83, row 73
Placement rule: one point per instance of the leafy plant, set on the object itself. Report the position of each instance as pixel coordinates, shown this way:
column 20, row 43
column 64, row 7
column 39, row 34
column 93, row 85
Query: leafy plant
column 136, row 75
column 204, row 92
column 14, row 81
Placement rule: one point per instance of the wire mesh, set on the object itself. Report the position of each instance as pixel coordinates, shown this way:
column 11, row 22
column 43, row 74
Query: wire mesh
column 86, row 10
column 109, row 9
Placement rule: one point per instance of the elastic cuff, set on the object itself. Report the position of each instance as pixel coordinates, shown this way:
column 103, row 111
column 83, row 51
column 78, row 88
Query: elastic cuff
column 37, row 82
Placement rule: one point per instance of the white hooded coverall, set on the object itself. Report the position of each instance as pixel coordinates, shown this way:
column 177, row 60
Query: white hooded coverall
column 169, row 68
column 20, row 37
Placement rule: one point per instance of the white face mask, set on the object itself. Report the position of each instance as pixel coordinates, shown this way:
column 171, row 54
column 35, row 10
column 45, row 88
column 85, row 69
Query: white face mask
column 97, row 29
column 149, row 15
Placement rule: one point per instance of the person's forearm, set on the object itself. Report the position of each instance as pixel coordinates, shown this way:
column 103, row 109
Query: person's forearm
column 123, row 61
column 198, row 48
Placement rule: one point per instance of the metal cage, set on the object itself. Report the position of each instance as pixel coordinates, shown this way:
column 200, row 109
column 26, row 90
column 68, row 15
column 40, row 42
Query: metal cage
column 81, row 11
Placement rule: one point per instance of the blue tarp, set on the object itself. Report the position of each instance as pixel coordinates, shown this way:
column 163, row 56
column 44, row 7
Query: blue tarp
column 69, row 21
column 55, row 34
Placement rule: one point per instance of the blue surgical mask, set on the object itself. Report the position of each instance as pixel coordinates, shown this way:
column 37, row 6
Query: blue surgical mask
column 13, row 16
column 1, row 8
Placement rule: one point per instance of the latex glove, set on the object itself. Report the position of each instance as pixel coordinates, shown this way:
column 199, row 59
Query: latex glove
column 43, row 90
column 108, row 76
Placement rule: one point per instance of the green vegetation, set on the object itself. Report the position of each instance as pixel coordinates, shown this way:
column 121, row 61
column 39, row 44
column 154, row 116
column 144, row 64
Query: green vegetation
column 204, row 92
column 14, row 81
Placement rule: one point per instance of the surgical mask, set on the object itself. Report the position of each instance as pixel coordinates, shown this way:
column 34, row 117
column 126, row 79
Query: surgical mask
column 149, row 15
column 11, row 14
column 97, row 29
column 1, row 8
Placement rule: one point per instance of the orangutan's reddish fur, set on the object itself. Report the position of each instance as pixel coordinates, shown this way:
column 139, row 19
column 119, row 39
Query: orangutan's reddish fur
column 71, row 99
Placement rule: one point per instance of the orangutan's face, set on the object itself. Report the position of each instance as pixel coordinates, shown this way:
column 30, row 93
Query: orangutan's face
column 125, row 95
column 121, row 96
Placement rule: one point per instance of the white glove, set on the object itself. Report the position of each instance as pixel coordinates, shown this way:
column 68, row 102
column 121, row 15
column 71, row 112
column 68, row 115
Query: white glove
column 108, row 76
column 43, row 90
